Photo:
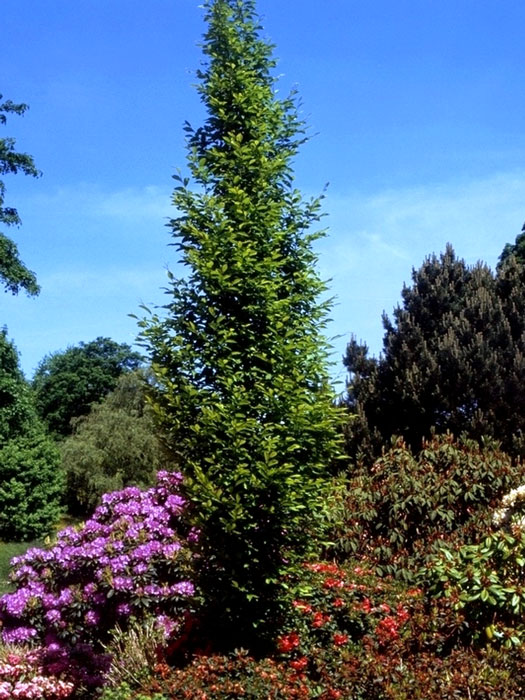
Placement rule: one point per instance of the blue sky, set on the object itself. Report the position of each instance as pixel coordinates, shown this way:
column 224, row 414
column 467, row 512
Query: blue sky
column 416, row 110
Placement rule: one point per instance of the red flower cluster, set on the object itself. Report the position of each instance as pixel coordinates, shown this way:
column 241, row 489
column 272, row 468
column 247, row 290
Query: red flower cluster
column 288, row 642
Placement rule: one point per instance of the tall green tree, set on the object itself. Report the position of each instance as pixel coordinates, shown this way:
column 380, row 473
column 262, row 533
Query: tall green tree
column 453, row 359
column 243, row 393
column 13, row 273
column 66, row 383
column 30, row 476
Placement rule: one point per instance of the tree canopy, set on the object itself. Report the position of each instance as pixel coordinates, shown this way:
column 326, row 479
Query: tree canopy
column 114, row 446
column 243, row 393
column 13, row 273
column 68, row 382
column 517, row 249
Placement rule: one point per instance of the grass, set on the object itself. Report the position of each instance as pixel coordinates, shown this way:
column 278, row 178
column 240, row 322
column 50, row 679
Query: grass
column 8, row 550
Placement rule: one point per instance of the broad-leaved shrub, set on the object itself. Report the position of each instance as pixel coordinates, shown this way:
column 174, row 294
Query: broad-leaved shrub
column 406, row 504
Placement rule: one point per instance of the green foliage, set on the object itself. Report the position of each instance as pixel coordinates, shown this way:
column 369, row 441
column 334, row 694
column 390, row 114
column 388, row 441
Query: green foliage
column 30, row 477
column 68, row 382
column 517, row 249
column 453, row 359
column 398, row 511
column 485, row 579
column 243, row 393
column 31, row 485
column 17, row 414
column 13, row 273
column 114, row 446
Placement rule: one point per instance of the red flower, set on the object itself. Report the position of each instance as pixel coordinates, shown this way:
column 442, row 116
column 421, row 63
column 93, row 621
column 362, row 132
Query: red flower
column 340, row 639
column 333, row 583
column 366, row 605
column 288, row 642
column 338, row 603
column 299, row 664
column 320, row 619
column 402, row 614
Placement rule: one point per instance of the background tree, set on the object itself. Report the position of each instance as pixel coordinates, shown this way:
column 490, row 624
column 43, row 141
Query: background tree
column 30, row 476
column 68, row 382
column 114, row 446
column 452, row 359
column 243, row 394
column 517, row 249
column 13, row 273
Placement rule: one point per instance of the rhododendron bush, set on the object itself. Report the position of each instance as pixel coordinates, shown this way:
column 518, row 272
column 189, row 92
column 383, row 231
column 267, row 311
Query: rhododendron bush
column 129, row 560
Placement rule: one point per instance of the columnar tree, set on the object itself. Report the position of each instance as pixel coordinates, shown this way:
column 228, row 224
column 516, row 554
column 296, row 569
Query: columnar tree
column 14, row 275
column 243, row 393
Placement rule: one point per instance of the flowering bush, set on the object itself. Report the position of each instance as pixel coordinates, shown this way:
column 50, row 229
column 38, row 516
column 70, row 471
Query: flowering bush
column 22, row 676
column 128, row 560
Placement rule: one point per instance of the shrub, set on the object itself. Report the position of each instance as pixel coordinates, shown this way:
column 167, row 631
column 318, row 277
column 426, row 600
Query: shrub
column 128, row 560
column 407, row 504
column 486, row 578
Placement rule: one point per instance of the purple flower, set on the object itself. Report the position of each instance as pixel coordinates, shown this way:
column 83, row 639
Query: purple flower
column 53, row 616
column 183, row 588
column 92, row 617
column 18, row 635
column 123, row 583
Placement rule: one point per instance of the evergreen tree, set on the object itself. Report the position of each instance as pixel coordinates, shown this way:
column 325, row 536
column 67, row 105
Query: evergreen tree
column 30, row 477
column 517, row 249
column 243, row 392
column 452, row 359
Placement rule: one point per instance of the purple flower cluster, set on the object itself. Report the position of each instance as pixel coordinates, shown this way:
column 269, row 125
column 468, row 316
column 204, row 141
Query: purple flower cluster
column 129, row 559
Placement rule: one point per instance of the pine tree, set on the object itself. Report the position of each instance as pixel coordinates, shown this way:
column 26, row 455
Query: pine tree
column 453, row 359
column 243, row 392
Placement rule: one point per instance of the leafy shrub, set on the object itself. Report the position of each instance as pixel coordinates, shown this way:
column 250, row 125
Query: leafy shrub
column 407, row 504
column 486, row 579
column 127, row 561
column 31, row 484
column 353, row 636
